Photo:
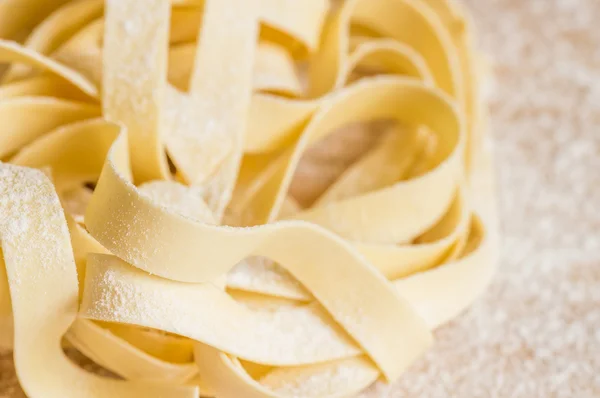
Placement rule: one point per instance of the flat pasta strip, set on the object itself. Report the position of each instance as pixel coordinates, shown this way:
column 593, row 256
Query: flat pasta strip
column 210, row 102
column 54, row 30
column 165, row 235
column 33, row 217
column 81, row 143
column 133, row 80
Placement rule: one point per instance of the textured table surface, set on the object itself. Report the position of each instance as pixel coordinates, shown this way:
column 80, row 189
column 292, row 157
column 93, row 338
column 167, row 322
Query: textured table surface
column 536, row 333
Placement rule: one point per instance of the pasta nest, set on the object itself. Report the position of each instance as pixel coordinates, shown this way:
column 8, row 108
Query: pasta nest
column 238, row 198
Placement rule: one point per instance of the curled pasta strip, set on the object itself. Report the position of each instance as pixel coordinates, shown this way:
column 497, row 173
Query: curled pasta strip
column 33, row 217
column 208, row 273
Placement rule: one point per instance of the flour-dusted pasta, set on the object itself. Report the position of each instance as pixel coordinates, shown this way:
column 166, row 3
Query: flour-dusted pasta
column 159, row 234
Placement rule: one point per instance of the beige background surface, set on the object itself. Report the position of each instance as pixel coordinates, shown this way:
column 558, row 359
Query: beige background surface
column 536, row 333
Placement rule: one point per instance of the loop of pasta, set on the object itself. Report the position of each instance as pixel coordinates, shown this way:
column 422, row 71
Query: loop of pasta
column 213, row 278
